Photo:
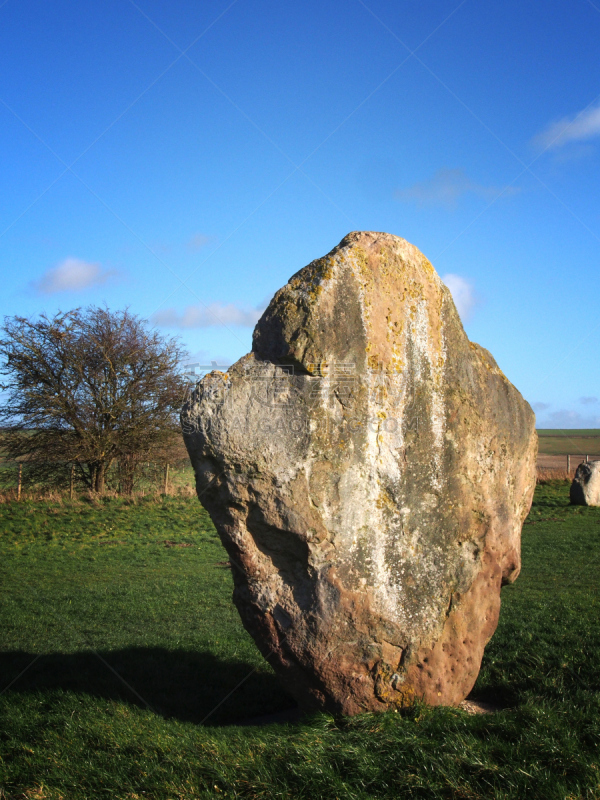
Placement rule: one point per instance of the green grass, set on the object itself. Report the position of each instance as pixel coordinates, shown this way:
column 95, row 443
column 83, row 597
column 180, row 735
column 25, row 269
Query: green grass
column 562, row 442
column 89, row 589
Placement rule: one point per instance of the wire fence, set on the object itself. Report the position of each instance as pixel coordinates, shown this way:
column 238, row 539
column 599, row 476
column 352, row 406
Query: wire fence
column 563, row 466
column 18, row 482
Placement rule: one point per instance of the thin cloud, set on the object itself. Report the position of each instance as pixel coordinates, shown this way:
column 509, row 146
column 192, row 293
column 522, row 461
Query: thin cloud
column 577, row 128
column 575, row 152
column 540, row 406
column 162, row 247
column 588, row 401
column 463, row 295
column 567, row 418
column 213, row 315
column 208, row 357
column 446, row 187
column 72, row 275
column 197, row 242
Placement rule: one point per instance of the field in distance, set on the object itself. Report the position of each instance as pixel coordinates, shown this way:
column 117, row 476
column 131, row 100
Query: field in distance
column 561, row 442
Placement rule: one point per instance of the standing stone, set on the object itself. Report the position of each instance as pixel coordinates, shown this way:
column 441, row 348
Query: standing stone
column 585, row 489
column 368, row 469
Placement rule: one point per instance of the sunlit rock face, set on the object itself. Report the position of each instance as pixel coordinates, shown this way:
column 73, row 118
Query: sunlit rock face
column 368, row 470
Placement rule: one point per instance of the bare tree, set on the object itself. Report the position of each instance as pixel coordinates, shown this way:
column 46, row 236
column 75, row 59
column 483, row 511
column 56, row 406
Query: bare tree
column 87, row 388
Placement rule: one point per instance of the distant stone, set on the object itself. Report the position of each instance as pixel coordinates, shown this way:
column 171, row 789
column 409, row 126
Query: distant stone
column 368, row 470
column 585, row 489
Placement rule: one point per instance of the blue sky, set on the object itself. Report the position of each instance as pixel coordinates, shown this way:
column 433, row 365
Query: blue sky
column 184, row 159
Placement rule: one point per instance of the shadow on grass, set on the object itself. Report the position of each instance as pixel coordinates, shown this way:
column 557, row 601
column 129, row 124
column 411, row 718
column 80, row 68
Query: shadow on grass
column 186, row 685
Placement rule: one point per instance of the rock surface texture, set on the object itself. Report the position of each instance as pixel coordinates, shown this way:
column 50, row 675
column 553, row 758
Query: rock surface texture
column 585, row 489
column 368, row 470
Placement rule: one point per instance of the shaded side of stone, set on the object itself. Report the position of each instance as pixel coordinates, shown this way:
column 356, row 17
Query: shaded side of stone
column 585, row 488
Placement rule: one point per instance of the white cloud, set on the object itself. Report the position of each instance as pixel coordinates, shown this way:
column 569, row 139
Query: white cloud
column 200, row 316
column 578, row 128
column 463, row 295
column 588, row 401
column 446, row 187
column 72, row 275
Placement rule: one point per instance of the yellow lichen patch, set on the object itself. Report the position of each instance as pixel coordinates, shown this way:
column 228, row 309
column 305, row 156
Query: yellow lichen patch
column 389, row 689
column 404, row 697
column 363, row 264
column 397, row 364
column 493, row 368
column 427, row 265
column 415, row 290
column 323, row 268
column 384, row 262
column 385, row 500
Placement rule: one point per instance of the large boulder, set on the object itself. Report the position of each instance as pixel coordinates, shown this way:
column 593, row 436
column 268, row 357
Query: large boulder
column 368, row 469
column 585, row 489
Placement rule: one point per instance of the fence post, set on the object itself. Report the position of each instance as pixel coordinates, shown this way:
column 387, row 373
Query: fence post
column 19, row 481
column 166, row 478
column 587, row 459
column 72, row 481
column 568, row 464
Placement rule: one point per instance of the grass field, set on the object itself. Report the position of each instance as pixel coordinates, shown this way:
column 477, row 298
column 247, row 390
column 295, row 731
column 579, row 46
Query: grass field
column 562, row 442
column 119, row 643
